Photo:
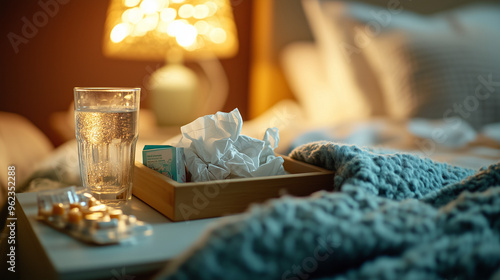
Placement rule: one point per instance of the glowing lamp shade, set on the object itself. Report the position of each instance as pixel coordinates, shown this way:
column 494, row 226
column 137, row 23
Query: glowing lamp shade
column 148, row 29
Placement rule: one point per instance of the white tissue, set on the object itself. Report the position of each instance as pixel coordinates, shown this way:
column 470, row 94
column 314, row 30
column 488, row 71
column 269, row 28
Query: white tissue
column 214, row 149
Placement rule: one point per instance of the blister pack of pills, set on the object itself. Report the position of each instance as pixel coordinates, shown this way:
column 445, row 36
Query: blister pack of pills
column 76, row 212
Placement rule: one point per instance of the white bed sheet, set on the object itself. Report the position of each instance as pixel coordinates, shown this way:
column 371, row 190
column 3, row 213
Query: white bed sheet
column 443, row 141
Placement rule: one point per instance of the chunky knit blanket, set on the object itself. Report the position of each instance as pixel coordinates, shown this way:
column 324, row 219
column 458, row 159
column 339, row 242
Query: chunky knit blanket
column 394, row 216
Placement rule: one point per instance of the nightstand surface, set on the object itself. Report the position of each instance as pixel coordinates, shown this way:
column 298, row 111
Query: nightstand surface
column 45, row 251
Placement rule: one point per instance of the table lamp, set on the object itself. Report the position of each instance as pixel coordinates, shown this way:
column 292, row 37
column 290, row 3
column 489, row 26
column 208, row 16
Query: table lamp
column 175, row 31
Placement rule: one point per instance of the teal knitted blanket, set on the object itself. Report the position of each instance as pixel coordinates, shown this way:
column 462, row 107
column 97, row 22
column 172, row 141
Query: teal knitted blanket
column 394, row 216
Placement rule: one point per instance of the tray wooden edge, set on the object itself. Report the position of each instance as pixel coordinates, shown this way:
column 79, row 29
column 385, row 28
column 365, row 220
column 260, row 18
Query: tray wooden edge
column 166, row 195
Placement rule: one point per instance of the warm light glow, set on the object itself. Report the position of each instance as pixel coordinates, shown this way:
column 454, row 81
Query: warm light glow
column 153, row 6
column 218, row 35
column 186, row 11
column 163, row 27
column 202, row 27
column 184, row 33
column 147, row 29
column 201, row 11
column 150, row 22
column 133, row 15
column 131, row 3
column 200, row 43
column 212, row 8
column 187, row 36
column 147, row 24
column 175, row 27
column 168, row 15
column 119, row 32
column 140, row 29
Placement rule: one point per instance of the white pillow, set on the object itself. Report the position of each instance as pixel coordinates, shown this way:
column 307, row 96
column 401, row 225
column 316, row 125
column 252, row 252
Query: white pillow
column 341, row 71
column 441, row 75
column 322, row 103
column 346, row 67
column 423, row 65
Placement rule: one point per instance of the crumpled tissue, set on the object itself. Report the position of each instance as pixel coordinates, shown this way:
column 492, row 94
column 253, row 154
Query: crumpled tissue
column 214, row 149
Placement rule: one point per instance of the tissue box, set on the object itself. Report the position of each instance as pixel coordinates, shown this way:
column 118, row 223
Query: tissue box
column 197, row 200
column 165, row 159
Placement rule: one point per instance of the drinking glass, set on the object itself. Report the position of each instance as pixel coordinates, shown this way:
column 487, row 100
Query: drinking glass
column 106, row 132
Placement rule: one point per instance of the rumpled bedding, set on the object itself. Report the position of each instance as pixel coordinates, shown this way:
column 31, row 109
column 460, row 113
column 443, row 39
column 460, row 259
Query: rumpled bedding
column 452, row 140
column 392, row 216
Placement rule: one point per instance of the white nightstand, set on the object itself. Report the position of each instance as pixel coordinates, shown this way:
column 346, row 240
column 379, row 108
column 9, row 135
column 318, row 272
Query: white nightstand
column 45, row 253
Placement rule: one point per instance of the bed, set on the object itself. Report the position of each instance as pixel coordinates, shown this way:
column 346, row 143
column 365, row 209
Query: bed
column 404, row 75
column 397, row 98
column 401, row 100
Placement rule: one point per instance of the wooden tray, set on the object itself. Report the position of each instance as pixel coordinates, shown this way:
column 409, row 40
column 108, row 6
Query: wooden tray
column 197, row 200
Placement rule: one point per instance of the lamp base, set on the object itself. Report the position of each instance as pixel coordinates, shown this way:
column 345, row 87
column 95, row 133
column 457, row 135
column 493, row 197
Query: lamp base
column 174, row 95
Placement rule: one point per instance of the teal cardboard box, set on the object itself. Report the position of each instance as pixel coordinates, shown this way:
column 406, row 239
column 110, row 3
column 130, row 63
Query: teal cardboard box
column 168, row 160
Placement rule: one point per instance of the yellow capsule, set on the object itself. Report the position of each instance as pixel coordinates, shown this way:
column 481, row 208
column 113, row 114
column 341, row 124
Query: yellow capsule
column 58, row 209
column 115, row 214
column 75, row 216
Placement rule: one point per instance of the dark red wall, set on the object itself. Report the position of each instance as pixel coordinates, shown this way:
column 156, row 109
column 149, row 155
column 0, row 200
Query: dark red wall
column 65, row 51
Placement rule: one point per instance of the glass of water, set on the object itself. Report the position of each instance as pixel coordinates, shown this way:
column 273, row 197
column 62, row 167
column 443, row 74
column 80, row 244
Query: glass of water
column 106, row 132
